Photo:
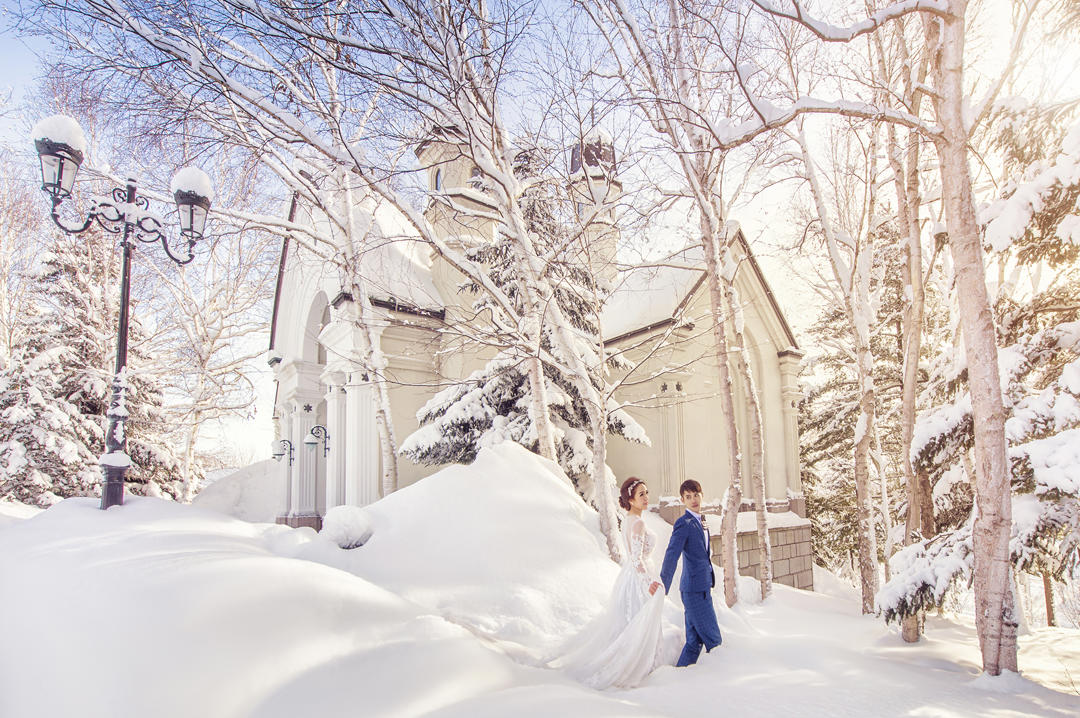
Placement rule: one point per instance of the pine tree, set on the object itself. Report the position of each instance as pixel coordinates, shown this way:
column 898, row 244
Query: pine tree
column 55, row 392
column 830, row 410
column 492, row 404
column 1032, row 227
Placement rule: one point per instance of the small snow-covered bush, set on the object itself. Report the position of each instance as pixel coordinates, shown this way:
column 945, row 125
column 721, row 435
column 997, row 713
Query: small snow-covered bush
column 347, row 526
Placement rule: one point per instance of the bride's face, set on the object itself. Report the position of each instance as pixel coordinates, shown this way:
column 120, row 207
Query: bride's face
column 640, row 499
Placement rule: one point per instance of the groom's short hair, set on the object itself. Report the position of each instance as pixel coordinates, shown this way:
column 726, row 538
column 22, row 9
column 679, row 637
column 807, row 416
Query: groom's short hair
column 689, row 486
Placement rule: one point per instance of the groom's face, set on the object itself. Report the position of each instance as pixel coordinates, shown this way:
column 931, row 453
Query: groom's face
column 692, row 501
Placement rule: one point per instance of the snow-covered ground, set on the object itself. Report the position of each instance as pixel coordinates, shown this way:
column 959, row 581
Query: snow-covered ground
column 160, row 609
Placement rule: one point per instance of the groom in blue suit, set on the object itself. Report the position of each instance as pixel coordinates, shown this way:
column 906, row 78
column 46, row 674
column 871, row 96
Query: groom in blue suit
column 690, row 539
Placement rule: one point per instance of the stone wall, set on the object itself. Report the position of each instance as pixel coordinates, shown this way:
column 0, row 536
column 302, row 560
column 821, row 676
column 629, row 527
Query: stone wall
column 792, row 560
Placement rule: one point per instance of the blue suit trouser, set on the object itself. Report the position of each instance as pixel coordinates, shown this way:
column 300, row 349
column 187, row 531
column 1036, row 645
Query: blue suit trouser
column 701, row 628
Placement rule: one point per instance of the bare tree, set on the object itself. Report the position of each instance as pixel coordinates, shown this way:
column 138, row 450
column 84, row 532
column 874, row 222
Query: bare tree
column 286, row 83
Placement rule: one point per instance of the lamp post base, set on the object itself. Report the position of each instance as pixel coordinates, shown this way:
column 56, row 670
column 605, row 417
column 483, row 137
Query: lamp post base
column 112, row 493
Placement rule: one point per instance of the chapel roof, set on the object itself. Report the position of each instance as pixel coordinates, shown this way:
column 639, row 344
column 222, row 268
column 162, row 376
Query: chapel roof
column 651, row 295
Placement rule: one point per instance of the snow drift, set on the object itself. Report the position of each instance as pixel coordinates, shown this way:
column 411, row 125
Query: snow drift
column 160, row 609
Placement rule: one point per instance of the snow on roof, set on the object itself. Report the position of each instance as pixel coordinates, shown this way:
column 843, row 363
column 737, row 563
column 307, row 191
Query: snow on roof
column 397, row 265
column 651, row 293
column 597, row 134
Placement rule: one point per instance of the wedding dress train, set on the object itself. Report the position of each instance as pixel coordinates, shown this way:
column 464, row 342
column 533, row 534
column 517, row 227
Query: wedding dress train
column 622, row 645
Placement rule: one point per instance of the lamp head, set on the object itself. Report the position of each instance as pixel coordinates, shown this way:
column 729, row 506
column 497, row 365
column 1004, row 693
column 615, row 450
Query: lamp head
column 193, row 208
column 193, row 192
column 59, row 166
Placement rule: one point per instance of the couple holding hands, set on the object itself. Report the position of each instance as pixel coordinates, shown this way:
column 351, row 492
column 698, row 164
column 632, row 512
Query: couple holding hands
column 623, row 645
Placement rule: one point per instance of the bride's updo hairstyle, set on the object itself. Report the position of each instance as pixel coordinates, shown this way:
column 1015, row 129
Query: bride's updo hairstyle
column 627, row 491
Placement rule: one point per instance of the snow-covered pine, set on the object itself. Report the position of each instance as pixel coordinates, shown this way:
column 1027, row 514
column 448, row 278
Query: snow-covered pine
column 493, row 403
column 829, row 412
column 56, row 389
column 1039, row 339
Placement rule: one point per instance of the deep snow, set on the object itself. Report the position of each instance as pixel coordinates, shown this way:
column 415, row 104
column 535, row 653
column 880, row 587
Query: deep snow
column 161, row 609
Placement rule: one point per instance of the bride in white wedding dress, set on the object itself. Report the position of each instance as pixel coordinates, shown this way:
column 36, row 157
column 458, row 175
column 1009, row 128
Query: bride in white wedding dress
column 622, row 645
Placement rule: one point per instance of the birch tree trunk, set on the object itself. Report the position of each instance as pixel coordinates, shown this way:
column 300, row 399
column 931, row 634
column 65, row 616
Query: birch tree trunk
column 1048, row 594
column 854, row 283
column 994, row 611
column 906, row 179
column 733, row 495
column 609, row 520
column 757, row 443
column 885, row 504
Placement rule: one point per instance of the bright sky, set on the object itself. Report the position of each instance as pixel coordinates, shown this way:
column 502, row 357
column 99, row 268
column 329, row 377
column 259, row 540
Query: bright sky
column 18, row 64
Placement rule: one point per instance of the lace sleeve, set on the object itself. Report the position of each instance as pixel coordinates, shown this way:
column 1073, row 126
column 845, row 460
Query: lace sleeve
column 637, row 550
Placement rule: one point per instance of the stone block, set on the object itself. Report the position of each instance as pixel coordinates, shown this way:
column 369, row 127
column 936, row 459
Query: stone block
column 788, row 580
column 804, row 580
column 798, row 505
column 670, row 512
column 781, row 567
column 777, row 506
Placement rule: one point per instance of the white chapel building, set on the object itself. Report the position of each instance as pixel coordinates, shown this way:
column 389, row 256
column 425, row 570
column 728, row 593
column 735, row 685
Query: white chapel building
column 672, row 394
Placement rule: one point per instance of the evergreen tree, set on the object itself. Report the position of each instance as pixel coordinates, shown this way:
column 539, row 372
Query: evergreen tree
column 1033, row 228
column 55, row 392
column 830, row 410
column 492, row 404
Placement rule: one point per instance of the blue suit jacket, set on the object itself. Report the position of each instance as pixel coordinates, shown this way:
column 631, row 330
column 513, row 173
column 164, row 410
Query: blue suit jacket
column 687, row 541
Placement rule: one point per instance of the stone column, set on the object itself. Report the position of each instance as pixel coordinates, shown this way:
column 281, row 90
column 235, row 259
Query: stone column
column 336, row 428
column 284, row 469
column 303, row 512
column 789, row 391
column 362, row 442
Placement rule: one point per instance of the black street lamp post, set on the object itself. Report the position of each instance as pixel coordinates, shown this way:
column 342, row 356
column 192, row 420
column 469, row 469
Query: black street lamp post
column 126, row 212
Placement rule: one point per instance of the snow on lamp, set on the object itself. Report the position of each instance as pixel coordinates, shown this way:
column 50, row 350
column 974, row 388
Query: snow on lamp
column 61, row 147
column 193, row 193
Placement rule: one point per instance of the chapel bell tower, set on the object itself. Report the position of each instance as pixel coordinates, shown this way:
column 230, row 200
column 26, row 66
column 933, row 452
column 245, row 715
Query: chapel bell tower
column 595, row 190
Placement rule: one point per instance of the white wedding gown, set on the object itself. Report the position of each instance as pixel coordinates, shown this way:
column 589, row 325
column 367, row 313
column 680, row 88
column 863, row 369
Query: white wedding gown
column 622, row 645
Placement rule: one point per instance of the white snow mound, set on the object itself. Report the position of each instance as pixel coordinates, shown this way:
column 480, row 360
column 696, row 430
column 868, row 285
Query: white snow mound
column 504, row 545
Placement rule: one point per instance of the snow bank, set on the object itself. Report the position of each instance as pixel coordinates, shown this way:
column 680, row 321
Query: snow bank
column 503, row 545
column 13, row 512
column 253, row 493
column 160, row 609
